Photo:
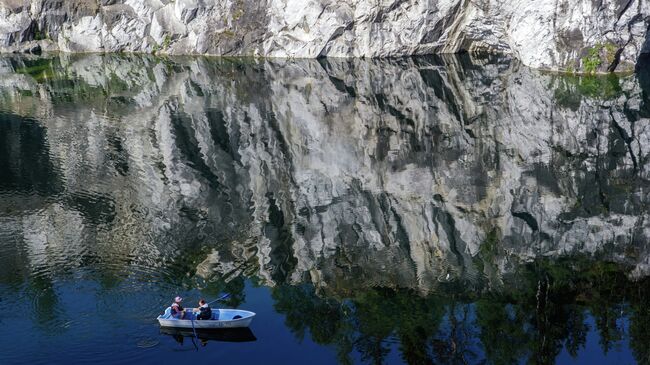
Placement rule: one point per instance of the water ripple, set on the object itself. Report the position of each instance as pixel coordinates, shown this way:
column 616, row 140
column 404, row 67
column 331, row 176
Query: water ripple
column 126, row 180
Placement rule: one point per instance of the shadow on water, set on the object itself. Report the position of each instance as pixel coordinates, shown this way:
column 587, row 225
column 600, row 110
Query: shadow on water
column 25, row 159
column 430, row 210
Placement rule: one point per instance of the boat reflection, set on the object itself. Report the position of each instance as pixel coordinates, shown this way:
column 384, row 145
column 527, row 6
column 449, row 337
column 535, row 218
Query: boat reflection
column 467, row 208
column 205, row 336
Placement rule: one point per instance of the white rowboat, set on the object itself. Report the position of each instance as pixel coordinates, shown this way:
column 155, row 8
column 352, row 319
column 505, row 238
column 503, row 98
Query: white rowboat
column 221, row 318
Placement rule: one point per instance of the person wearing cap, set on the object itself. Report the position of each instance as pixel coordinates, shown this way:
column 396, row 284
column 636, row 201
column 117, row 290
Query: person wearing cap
column 177, row 308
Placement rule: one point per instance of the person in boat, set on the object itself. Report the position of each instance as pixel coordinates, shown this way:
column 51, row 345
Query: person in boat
column 204, row 311
column 177, row 309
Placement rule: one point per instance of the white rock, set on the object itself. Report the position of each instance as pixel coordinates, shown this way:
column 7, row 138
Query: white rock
column 542, row 33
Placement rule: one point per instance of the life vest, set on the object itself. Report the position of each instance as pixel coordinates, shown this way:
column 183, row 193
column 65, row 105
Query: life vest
column 176, row 309
column 205, row 313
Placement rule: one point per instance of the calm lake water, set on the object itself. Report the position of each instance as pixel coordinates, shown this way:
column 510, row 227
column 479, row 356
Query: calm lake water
column 452, row 210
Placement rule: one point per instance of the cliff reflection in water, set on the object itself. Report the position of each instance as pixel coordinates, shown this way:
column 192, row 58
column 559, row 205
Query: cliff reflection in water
column 424, row 199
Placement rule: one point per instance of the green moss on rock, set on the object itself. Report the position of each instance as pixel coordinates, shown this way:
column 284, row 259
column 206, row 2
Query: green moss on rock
column 601, row 54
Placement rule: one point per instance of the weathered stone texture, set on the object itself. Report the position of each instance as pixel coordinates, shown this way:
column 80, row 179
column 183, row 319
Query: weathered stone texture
column 593, row 36
column 339, row 165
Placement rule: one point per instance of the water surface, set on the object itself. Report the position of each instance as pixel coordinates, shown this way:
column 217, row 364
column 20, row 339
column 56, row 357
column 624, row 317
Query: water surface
column 429, row 210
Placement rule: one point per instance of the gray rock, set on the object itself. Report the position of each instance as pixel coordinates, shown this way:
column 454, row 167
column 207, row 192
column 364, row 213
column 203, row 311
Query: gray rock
column 569, row 35
column 403, row 172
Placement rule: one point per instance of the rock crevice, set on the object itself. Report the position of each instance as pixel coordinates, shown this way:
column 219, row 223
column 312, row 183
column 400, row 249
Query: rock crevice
column 565, row 35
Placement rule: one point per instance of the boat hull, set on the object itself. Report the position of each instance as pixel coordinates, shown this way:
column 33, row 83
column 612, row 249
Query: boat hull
column 222, row 318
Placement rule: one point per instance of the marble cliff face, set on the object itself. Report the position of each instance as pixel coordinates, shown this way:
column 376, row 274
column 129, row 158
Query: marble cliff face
column 569, row 35
column 313, row 168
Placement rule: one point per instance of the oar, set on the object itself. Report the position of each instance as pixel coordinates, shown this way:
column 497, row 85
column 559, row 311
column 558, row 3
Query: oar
column 195, row 336
column 220, row 298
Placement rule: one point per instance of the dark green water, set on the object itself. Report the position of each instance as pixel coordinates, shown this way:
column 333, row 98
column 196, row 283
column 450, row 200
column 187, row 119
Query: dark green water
column 428, row 210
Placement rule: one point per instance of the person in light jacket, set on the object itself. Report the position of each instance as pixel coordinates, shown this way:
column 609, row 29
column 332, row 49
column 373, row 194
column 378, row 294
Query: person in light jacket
column 177, row 309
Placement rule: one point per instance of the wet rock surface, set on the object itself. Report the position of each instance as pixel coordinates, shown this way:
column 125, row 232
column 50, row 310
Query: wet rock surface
column 398, row 173
column 568, row 35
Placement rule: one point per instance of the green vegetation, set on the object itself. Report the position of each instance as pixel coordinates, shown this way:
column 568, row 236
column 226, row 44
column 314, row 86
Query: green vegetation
column 571, row 67
column 600, row 87
column 596, row 55
column 40, row 69
column 38, row 35
column 541, row 309
column 166, row 42
column 571, row 89
column 610, row 52
column 488, row 252
column 65, row 87
column 567, row 96
column 237, row 14
column 591, row 62
column 228, row 33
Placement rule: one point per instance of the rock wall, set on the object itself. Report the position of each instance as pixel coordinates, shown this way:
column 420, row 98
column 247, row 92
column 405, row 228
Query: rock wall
column 392, row 172
column 569, row 35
